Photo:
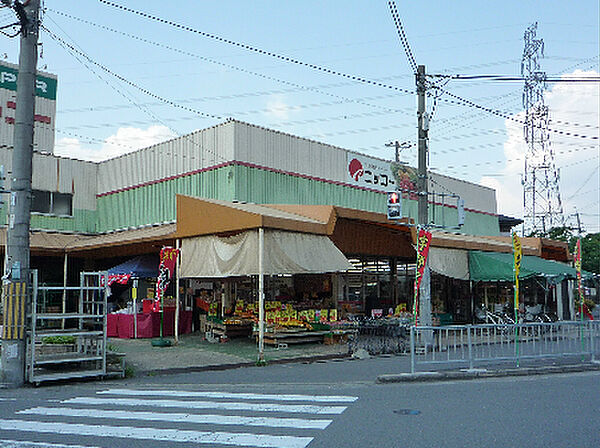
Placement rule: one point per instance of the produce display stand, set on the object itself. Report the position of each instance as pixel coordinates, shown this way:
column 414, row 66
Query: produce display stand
column 294, row 337
column 66, row 345
column 227, row 329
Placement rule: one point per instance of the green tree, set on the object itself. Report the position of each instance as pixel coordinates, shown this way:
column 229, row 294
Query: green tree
column 590, row 253
column 590, row 245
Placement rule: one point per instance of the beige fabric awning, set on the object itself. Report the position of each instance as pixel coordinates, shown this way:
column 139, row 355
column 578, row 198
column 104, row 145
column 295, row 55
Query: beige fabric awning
column 453, row 263
column 211, row 256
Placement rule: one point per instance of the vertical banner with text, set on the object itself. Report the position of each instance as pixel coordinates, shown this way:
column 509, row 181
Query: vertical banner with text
column 423, row 242
column 166, row 269
column 578, row 269
column 518, row 255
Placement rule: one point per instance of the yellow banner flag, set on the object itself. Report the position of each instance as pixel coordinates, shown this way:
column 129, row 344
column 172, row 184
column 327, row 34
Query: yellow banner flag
column 517, row 253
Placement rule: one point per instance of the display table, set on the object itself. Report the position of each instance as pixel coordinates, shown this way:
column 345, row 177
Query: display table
column 120, row 325
column 224, row 329
column 293, row 337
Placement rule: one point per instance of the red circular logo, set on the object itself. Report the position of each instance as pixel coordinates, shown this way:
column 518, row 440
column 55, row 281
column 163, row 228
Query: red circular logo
column 356, row 169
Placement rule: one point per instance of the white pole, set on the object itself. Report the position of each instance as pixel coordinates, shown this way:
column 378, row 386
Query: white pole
column 177, row 293
column 261, row 296
column 559, row 302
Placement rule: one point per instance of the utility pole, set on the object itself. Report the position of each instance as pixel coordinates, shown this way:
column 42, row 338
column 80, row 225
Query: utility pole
column 398, row 147
column 422, row 180
column 16, row 296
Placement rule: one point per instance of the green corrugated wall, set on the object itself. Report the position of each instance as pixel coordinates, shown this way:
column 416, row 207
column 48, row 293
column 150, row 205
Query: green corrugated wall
column 155, row 203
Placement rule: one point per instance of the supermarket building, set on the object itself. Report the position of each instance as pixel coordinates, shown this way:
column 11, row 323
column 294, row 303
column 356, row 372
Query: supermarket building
column 92, row 215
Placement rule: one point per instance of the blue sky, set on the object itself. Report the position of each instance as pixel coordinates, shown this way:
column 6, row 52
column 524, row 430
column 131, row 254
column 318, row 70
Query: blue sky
column 99, row 118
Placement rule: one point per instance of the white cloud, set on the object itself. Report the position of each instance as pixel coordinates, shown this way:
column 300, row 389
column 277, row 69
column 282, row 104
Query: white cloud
column 574, row 108
column 124, row 141
column 277, row 108
column 130, row 139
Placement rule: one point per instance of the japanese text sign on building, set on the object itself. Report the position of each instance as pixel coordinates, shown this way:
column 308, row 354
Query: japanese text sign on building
column 578, row 268
column 166, row 269
column 423, row 243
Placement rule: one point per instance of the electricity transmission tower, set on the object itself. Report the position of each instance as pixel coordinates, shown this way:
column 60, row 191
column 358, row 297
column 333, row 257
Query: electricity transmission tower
column 541, row 196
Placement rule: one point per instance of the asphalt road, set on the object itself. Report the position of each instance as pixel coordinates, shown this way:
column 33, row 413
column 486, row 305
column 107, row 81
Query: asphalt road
column 331, row 404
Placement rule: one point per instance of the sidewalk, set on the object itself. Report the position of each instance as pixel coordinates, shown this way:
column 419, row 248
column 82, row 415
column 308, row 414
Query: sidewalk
column 195, row 354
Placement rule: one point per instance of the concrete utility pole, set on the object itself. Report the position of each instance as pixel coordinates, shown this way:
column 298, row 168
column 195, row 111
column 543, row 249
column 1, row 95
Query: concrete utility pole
column 423, row 216
column 398, row 147
column 16, row 297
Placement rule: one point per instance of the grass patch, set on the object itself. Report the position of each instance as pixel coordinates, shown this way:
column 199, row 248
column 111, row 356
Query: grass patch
column 59, row 340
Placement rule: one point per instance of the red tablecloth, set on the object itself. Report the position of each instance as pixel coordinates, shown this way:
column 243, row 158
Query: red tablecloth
column 148, row 324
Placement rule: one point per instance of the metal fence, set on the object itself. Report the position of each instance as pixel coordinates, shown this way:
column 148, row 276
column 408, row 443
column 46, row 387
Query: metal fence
column 478, row 345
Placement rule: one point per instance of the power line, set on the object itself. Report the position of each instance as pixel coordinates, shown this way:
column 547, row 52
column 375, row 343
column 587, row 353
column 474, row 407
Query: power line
column 466, row 102
column 130, row 83
column 76, row 52
column 584, row 183
column 458, row 100
column 402, row 36
column 516, row 78
column 222, row 64
column 257, row 50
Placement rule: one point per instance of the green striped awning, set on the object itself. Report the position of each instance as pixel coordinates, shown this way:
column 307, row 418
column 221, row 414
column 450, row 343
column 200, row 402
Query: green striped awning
column 495, row 266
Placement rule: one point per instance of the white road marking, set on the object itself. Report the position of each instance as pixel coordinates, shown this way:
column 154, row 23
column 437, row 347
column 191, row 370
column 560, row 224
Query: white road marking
column 238, row 420
column 168, row 435
column 229, row 395
column 25, row 444
column 231, row 406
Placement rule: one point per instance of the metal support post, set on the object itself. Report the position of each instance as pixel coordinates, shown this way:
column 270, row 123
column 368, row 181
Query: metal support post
column 412, row 349
column 470, row 339
column 261, row 296
column 177, row 308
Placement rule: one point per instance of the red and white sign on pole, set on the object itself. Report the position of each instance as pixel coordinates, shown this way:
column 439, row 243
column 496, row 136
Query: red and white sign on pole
column 166, row 269
column 423, row 242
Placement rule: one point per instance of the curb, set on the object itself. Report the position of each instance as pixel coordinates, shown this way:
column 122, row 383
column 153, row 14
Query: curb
column 467, row 374
column 216, row 367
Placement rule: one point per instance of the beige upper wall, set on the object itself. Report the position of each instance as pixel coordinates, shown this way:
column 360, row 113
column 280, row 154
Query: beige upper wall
column 200, row 149
column 64, row 175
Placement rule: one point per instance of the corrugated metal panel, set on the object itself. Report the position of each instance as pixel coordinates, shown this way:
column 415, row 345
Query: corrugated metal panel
column 477, row 197
column 262, row 186
column 51, row 173
column 199, row 150
column 156, row 203
column 286, row 152
column 82, row 221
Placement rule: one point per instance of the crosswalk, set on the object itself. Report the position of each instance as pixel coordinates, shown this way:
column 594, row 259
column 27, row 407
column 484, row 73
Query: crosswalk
column 115, row 416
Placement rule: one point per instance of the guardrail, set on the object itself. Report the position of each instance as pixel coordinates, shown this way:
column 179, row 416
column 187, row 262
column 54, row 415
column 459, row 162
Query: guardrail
column 485, row 344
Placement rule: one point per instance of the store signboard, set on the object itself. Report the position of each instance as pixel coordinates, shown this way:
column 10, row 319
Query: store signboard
column 45, row 108
column 368, row 172
column 45, row 87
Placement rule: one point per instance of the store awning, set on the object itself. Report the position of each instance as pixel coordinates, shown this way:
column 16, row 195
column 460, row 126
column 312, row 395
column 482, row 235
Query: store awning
column 453, row 263
column 141, row 266
column 212, row 256
column 494, row 266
